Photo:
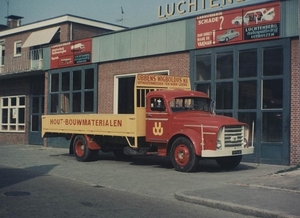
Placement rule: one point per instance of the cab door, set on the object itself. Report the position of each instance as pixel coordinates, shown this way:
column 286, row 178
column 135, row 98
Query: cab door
column 157, row 120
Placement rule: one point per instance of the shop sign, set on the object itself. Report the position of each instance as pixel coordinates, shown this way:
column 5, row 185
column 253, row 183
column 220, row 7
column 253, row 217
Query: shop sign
column 192, row 6
column 71, row 53
column 241, row 25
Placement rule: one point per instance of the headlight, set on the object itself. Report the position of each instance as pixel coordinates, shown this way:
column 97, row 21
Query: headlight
column 219, row 144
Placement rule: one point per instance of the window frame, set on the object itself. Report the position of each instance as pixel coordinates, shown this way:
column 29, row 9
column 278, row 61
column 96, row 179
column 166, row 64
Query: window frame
column 16, row 53
column 64, row 98
column 9, row 126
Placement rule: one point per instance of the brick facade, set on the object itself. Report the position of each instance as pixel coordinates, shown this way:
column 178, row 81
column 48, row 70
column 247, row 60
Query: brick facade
column 15, row 87
column 20, row 84
column 295, row 104
column 177, row 64
column 82, row 31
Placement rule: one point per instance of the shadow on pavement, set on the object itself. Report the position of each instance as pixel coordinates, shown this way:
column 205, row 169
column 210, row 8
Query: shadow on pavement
column 11, row 176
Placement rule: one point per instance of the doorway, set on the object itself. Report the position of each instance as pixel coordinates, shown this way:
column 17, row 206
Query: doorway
column 36, row 110
column 126, row 95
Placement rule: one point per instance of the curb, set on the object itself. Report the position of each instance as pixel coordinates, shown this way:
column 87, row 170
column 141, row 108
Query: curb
column 231, row 207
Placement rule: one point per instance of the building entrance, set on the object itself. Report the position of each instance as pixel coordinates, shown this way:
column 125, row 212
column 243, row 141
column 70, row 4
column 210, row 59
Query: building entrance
column 249, row 82
column 36, row 110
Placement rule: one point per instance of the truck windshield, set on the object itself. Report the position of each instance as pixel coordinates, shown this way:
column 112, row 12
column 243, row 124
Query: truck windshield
column 190, row 103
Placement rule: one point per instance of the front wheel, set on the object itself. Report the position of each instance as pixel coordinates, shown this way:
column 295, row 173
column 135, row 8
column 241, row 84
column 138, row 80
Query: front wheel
column 183, row 156
column 229, row 163
column 82, row 151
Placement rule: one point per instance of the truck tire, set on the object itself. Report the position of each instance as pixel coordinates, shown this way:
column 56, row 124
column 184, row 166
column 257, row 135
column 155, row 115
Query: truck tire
column 229, row 163
column 183, row 156
column 82, row 151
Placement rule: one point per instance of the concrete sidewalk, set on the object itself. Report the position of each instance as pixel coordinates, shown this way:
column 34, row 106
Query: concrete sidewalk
column 256, row 190
column 274, row 195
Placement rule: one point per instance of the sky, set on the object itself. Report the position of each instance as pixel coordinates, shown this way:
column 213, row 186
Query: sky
column 136, row 12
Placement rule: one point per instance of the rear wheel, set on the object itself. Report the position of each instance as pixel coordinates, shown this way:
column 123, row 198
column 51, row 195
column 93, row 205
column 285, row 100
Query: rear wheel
column 183, row 156
column 229, row 163
column 82, row 151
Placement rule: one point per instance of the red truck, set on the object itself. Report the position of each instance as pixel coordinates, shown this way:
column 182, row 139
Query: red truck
column 169, row 120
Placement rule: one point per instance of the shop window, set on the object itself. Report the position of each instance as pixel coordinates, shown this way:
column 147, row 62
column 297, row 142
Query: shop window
column 249, row 118
column 272, row 93
column 73, row 91
column 247, row 95
column 17, row 48
column 76, row 106
column 272, row 127
column 12, row 114
column 206, row 88
column 88, row 101
column 89, row 79
column 54, row 103
column 65, row 81
column 77, row 80
column 247, row 63
column 54, row 82
column 203, row 67
column 224, row 95
column 273, row 61
column 224, row 65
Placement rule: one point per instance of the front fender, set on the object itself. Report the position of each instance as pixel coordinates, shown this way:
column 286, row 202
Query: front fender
column 193, row 135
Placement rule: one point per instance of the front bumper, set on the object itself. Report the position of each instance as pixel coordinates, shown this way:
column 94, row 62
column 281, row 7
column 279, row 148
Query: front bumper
column 227, row 152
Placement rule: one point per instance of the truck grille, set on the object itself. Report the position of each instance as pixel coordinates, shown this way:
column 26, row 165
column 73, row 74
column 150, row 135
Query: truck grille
column 233, row 136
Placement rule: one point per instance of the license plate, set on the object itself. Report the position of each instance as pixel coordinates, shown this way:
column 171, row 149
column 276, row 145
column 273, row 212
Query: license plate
column 237, row 152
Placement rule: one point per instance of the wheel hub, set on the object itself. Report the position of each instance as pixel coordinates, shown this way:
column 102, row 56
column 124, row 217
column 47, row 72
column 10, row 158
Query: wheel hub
column 183, row 155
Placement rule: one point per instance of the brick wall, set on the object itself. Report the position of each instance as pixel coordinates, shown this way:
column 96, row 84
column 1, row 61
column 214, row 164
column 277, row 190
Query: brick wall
column 64, row 32
column 177, row 64
column 295, row 104
column 82, row 31
column 13, row 87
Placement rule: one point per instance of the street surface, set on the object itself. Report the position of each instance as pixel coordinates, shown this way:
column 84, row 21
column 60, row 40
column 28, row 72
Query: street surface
column 48, row 182
column 26, row 193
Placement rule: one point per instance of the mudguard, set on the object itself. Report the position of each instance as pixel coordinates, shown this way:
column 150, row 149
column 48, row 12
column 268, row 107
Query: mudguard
column 194, row 136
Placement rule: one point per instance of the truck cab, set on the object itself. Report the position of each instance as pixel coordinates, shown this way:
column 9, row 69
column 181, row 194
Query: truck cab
column 183, row 125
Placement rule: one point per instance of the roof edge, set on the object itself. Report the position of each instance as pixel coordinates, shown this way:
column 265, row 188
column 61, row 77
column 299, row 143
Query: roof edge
column 60, row 19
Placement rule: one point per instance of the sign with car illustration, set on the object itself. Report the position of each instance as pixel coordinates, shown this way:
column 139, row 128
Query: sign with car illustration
column 228, row 35
column 238, row 25
column 71, row 53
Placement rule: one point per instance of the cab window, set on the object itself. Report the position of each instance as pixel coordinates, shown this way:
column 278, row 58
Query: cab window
column 157, row 104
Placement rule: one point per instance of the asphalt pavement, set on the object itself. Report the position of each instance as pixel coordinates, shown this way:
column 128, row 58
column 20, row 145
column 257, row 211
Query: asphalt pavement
column 255, row 190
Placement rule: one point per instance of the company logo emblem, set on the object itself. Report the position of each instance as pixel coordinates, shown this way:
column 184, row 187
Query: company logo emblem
column 157, row 130
column 234, row 138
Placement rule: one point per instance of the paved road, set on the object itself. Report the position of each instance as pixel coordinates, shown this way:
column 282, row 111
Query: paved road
column 146, row 176
column 26, row 193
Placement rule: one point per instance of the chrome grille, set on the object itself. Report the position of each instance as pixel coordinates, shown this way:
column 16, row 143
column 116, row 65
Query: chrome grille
column 233, row 136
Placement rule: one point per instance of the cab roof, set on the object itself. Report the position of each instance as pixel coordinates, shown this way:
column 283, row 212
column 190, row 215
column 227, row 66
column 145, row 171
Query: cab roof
column 176, row 93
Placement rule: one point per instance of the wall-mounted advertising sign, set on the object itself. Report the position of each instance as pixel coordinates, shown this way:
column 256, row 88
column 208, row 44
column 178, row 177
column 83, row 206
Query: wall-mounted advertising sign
column 242, row 25
column 71, row 53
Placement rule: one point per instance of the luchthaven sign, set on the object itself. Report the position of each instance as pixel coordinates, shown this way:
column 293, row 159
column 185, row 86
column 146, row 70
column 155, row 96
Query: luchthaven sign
column 191, row 6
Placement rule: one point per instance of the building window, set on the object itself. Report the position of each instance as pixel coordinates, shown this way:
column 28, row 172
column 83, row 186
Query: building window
column 12, row 114
column 73, row 91
column 2, row 53
column 17, row 48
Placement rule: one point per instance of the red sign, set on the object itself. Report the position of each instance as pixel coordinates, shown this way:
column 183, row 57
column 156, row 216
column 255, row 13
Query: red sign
column 239, row 25
column 71, row 53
